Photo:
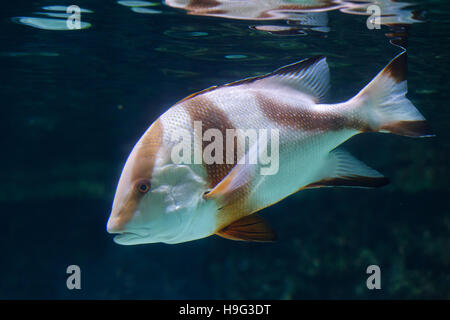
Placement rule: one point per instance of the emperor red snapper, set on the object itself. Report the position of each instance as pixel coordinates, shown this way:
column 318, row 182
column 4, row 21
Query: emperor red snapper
column 162, row 200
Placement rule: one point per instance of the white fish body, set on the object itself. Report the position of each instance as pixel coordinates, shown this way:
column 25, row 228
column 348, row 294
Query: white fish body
column 190, row 201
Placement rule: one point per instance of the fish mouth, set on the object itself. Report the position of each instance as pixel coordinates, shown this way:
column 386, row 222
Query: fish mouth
column 128, row 238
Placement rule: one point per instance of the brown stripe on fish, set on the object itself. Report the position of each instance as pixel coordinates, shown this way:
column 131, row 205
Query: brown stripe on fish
column 233, row 206
column 202, row 4
column 308, row 120
column 202, row 109
column 149, row 146
column 418, row 128
column 138, row 169
column 212, row 12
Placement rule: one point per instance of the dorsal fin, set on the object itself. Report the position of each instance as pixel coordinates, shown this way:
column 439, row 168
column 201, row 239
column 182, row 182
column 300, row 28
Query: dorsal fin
column 249, row 228
column 198, row 93
column 309, row 76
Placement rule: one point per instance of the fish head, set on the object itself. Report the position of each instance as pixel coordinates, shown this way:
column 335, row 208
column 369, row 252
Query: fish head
column 134, row 190
column 155, row 199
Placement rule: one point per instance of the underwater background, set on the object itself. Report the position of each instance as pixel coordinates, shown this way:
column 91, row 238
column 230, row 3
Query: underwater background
column 74, row 102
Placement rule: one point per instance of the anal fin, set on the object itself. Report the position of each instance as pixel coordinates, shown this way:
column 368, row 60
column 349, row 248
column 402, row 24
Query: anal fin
column 343, row 170
column 350, row 181
column 249, row 228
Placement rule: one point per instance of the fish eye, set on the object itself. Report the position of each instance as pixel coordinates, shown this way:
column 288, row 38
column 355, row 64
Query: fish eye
column 143, row 186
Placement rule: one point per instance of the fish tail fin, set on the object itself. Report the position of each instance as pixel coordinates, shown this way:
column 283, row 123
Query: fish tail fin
column 384, row 107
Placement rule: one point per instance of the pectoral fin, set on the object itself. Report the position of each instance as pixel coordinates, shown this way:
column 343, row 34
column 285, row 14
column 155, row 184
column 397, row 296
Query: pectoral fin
column 237, row 179
column 233, row 182
column 249, row 228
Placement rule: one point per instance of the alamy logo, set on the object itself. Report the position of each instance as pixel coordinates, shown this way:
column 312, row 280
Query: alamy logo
column 239, row 146
column 374, row 280
column 74, row 20
column 374, row 21
column 74, row 280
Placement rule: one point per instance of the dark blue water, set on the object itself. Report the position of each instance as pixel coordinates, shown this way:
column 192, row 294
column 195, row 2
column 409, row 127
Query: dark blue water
column 74, row 102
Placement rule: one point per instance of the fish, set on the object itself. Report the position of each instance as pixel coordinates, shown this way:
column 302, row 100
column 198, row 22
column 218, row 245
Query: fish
column 300, row 25
column 160, row 198
column 253, row 9
column 394, row 14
